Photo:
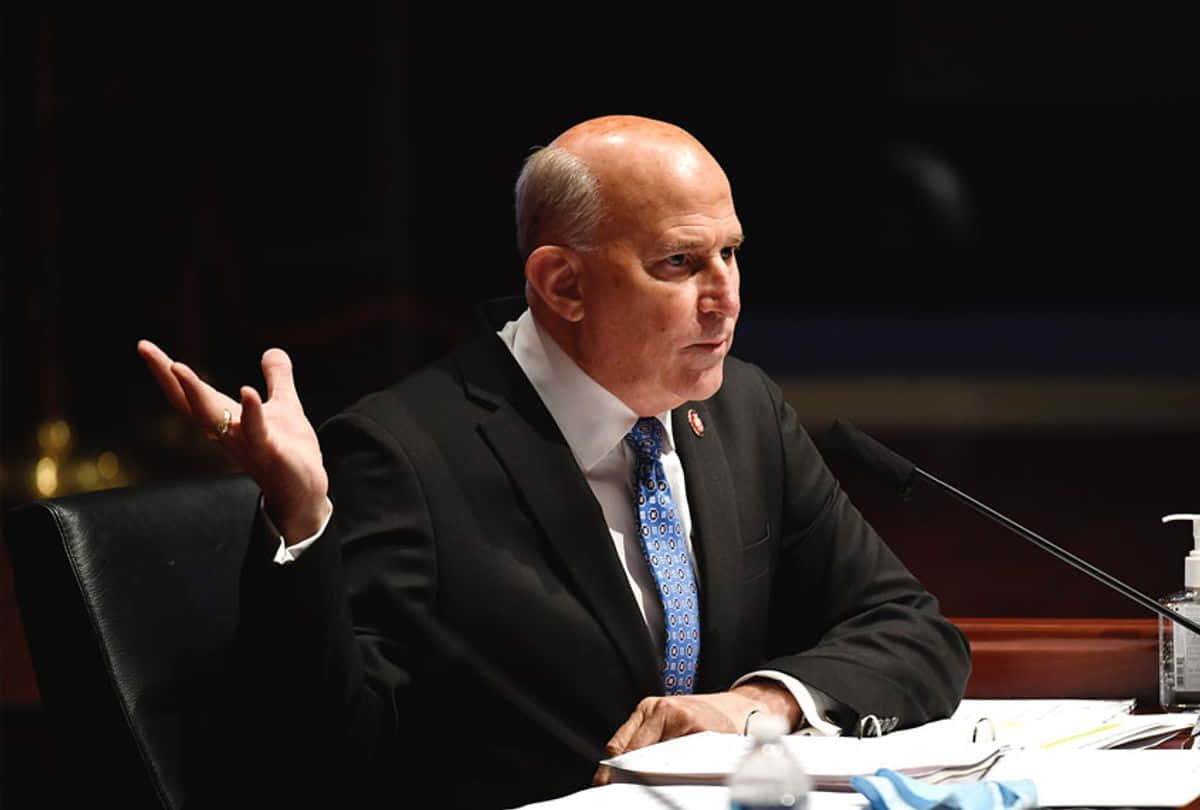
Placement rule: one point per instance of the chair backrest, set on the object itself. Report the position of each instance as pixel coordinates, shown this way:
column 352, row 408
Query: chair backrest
column 130, row 604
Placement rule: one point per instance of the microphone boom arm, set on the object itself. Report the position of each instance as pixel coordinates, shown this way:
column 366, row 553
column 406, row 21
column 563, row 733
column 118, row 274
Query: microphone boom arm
column 902, row 471
column 1064, row 555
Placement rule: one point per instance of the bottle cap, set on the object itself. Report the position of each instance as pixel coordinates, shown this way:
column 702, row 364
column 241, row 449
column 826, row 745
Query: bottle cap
column 1191, row 563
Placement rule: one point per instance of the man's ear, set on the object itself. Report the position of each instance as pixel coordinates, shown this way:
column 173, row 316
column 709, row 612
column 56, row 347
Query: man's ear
column 554, row 272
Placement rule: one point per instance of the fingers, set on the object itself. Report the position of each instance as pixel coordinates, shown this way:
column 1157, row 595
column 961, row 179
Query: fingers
column 277, row 369
column 654, row 725
column 644, row 727
column 663, row 718
column 254, row 421
column 619, row 743
column 622, row 739
column 160, row 367
column 206, row 404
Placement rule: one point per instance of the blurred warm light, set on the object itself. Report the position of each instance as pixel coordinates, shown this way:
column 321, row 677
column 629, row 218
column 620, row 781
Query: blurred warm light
column 87, row 476
column 107, row 465
column 53, row 437
column 46, row 476
column 59, row 472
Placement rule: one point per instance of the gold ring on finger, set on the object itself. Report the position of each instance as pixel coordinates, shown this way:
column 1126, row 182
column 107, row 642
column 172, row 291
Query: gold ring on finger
column 223, row 425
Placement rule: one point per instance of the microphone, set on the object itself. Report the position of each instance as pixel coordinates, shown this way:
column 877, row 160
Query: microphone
column 903, row 473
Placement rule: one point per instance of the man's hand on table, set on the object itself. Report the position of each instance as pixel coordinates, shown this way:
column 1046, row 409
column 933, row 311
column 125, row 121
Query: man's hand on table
column 663, row 718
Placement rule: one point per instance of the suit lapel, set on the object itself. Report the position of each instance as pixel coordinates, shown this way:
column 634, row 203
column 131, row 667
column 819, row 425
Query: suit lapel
column 532, row 450
column 716, row 539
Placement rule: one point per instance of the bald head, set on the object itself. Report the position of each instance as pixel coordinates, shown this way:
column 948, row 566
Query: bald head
column 613, row 129
column 599, row 173
column 629, row 235
column 612, row 142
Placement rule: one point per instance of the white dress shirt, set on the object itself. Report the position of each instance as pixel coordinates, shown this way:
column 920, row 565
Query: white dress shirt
column 594, row 423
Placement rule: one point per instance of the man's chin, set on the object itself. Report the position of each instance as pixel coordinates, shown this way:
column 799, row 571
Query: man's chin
column 707, row 383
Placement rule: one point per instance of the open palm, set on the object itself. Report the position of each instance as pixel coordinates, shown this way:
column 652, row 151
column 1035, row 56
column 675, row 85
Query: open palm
column 273, row 441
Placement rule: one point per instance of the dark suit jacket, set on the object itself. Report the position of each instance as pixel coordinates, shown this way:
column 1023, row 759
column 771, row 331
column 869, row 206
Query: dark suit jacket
column 454, row 491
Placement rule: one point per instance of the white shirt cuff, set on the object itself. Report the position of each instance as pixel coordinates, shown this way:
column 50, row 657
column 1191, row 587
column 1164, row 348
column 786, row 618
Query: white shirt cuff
column 818, row 724
column 288, row 554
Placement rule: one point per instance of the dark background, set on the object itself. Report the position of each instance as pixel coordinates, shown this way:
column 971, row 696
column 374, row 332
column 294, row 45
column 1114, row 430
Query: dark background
column 970, row 228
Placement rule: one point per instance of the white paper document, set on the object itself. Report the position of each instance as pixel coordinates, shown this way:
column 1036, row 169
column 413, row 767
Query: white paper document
column 1169, row 778
column 1066, row 724
column 691, row 797
column 709, row 757
column 1064, row 746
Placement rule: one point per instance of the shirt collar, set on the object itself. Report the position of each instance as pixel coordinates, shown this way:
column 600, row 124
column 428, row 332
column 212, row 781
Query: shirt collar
column 592, row 419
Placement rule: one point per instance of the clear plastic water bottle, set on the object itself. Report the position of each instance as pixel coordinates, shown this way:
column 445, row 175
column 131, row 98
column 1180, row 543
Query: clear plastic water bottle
column 768, row 777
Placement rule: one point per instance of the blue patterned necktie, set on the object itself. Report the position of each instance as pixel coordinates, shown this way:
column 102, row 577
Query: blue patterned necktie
column 665, row 548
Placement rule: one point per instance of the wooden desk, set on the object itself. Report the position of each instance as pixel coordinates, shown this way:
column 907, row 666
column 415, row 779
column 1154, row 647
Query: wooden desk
column 1081, row 658
column 1084, row 658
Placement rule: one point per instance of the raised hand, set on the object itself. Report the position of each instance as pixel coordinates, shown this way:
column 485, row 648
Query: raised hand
column 272, row 441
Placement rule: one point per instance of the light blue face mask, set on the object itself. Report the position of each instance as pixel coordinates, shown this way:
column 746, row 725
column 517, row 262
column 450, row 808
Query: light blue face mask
column 888, row 790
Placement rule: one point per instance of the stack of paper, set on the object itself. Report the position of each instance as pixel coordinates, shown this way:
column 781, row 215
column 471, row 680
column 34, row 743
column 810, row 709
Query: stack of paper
column 1064, row 724
column 691, row 797
column 708, row 758
column 1062, row 745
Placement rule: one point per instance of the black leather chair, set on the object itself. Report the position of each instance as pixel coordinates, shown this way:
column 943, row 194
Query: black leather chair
column 130, row 600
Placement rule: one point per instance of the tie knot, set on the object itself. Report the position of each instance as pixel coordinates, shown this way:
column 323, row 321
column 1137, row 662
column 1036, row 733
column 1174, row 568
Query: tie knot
column 646, row 438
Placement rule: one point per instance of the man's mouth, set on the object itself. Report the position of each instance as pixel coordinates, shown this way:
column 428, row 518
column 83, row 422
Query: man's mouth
column 713, row 344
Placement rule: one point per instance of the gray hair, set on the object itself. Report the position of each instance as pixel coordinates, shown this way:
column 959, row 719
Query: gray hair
column 557, row 197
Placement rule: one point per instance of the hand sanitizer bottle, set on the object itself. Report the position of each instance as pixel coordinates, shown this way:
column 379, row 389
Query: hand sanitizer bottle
column 1179, row 649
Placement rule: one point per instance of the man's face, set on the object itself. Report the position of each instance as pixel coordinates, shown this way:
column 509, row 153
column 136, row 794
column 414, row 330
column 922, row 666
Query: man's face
column 660, row 292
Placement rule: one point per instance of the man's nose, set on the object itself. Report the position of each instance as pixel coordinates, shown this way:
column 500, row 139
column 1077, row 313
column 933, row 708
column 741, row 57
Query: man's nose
column 720, row 293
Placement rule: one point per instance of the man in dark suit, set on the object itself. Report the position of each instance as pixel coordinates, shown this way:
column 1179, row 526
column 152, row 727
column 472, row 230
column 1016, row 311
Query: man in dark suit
column 622, row 521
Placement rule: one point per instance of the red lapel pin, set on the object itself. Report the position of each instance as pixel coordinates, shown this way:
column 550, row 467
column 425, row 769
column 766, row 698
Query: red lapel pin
column 695, row 421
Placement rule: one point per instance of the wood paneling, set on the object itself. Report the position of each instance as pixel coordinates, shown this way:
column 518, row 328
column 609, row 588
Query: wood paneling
column 1081, row 658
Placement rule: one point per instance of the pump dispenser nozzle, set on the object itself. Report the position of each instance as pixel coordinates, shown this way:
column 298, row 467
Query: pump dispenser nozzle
column 1191, row 563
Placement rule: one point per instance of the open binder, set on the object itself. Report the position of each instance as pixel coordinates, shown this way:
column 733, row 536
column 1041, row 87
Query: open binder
column 961, row 748
column 709, row 757
column 1024, row 725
